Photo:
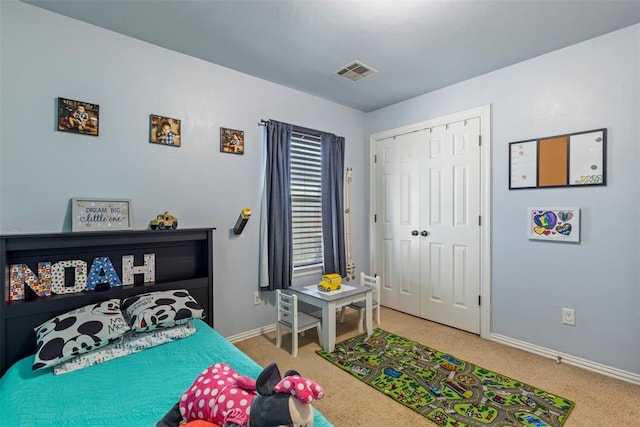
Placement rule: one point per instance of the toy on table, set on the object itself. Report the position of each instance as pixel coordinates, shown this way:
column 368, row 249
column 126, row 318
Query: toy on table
column 330, row 282
column 221, row 396
column 164, row 221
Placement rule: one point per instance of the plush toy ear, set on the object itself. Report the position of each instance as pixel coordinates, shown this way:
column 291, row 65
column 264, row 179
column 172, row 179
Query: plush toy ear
column 267, row 379
column 303, row 389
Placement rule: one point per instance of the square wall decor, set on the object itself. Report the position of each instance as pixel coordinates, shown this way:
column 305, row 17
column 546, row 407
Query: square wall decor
column 231, row 141
column 164, row 130
column 78, row 117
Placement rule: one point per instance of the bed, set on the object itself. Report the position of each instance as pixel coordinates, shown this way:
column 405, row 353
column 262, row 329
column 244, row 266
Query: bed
column 133, row 390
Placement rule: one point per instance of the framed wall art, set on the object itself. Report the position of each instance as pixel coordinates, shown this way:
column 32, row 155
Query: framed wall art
column 570, row 160
column 78, row 117
column 231, row 141
column 89, row 214
column 559, row 224
column 164, row 130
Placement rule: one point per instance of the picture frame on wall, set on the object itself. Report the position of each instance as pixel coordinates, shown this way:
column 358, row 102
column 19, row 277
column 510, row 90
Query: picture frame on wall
column 90, row 214
column 164, row 130
column 557, row 224
column 231, row 141
column 78, row 117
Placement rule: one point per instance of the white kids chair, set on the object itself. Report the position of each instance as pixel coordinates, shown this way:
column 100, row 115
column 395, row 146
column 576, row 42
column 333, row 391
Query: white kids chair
column 292, row 320
column 372, row 282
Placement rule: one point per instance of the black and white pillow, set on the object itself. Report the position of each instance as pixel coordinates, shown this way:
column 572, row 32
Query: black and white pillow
column 78, row 331
column 161, row 309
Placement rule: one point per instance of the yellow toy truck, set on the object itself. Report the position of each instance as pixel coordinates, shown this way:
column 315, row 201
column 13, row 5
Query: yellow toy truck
column 164, row 221
column 330, row 282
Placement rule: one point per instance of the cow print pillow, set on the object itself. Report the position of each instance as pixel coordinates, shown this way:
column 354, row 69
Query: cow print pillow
column 77, row 332
column 161, row 309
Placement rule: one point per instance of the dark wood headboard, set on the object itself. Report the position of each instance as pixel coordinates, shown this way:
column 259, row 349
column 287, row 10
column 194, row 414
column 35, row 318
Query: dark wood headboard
column 183, row 260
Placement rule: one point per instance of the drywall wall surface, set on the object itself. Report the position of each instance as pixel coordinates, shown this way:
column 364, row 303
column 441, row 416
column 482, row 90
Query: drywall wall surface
column 46, row 56
column 591, row 85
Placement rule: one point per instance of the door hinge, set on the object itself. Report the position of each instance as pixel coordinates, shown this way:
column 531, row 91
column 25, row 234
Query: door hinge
column 479, row 299
column 375, row 158
column 479, row 139
column 480, row 220
column 375, row 218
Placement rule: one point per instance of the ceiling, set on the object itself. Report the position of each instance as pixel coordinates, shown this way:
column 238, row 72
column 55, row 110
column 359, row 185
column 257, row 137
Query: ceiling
column 416, row 46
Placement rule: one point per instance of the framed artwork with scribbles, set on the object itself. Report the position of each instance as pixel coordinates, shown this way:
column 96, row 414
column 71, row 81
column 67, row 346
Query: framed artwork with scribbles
column 559, row 224
column 89, row 214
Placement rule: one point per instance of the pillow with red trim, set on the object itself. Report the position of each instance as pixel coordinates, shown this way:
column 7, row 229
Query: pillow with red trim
column 161, row 309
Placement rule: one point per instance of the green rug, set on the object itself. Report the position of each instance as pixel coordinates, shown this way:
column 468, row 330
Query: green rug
column 443, row 388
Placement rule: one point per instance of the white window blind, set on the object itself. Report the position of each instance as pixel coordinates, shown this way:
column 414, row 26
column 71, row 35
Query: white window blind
column 306, row 203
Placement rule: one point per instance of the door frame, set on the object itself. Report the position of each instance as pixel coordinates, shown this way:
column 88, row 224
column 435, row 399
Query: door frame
column 484, row 112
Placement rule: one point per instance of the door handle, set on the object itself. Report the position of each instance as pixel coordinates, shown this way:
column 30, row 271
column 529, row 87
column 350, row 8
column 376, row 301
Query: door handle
column 424, row 233
column 414, row 233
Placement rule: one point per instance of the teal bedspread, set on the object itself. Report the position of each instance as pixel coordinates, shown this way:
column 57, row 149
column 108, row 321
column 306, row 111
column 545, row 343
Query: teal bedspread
column 132, row 391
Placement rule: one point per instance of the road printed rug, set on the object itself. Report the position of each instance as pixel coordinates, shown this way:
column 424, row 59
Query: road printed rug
column 443, row 388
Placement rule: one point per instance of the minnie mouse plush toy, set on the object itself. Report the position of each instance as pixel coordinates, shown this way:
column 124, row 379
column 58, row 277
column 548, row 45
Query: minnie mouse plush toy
column 223, row 397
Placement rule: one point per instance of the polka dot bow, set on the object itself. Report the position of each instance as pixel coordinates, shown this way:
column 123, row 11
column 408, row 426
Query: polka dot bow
column 301, row 388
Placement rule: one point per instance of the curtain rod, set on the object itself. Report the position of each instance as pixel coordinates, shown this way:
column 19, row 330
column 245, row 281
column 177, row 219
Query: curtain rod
column 297, row 128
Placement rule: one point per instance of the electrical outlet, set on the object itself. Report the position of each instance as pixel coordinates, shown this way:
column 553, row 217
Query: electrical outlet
column 256, row 298
column 569, row 316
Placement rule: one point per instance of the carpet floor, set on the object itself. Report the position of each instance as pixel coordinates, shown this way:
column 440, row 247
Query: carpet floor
column 600, row 401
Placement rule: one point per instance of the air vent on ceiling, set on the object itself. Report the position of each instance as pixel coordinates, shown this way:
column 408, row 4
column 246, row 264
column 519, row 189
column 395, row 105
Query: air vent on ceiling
column 355, row 71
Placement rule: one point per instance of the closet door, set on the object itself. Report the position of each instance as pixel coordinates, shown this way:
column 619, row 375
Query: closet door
column 427, row 231
column 397, row 180
column 449, row 223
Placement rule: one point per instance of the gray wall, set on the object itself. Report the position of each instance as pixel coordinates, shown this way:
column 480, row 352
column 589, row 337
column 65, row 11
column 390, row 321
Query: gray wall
column 45, row 55
column 591, row 85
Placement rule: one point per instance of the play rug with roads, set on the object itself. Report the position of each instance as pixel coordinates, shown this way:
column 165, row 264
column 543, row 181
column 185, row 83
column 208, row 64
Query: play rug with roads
column 443, row 388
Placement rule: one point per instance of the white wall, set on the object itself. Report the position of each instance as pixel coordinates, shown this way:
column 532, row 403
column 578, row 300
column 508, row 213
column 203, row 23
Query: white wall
column 595, row 84
column 45, row 55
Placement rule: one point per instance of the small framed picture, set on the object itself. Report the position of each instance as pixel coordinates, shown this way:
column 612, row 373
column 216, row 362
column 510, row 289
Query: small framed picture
column 100, row 214
column 164, row 130
column 78, row 117
column 231, row 141
column 558, row 224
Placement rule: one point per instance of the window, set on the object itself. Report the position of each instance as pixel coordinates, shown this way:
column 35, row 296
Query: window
column 306, row 202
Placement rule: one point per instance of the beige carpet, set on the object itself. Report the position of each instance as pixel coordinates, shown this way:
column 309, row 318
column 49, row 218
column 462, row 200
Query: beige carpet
column 600, row 401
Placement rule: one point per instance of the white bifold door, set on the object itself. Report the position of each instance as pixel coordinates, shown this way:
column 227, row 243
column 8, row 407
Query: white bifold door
column 426, row 193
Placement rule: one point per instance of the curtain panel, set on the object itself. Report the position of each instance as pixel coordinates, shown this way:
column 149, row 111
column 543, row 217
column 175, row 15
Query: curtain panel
column 276, row 233
column 333, row 204
column 277, row 208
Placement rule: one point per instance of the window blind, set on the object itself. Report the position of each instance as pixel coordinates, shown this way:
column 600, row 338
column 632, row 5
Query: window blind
column 306, row 200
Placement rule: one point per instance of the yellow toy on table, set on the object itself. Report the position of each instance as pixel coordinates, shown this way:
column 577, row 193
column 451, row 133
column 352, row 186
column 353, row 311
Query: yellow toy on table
column 330, row 282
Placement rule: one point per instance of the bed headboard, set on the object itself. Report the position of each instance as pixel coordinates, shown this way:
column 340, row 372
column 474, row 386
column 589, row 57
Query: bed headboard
column 183, row 259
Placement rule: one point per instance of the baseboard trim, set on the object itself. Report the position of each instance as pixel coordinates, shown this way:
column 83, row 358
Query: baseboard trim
column 252, row 333
column 560, row 357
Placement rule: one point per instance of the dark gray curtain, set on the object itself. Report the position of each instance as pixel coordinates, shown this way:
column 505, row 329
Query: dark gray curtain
column 333, row 204
column 278, row 191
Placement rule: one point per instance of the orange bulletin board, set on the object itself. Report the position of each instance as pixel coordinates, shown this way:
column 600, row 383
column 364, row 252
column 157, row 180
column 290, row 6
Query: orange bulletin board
column 575, row 159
